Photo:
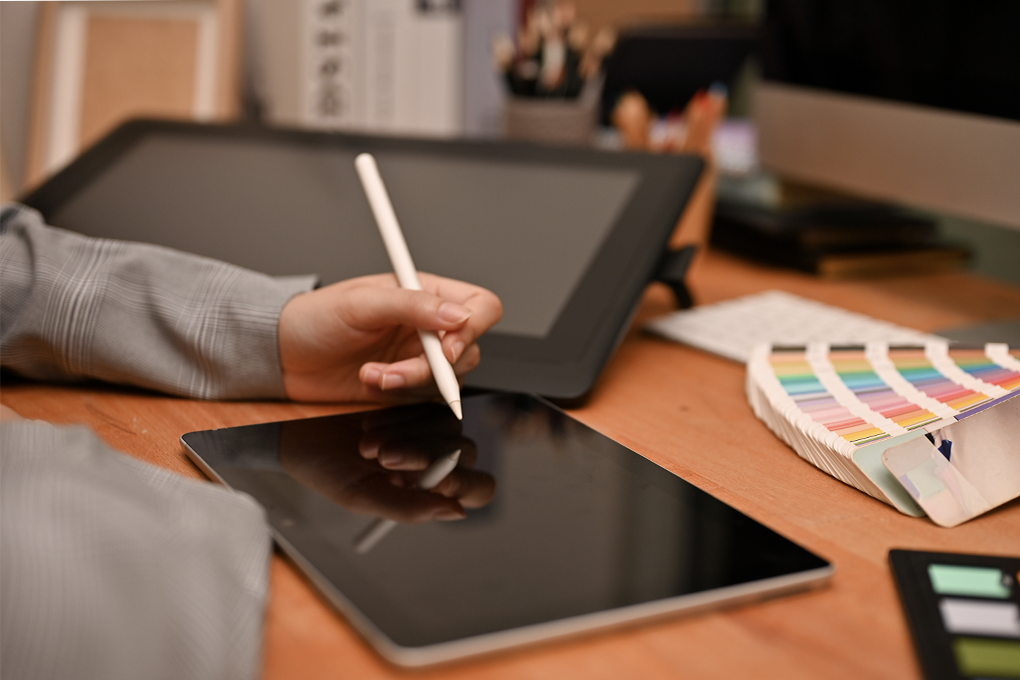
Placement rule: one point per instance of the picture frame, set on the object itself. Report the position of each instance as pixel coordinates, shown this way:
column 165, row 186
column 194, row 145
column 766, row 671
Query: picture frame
column 101, row 63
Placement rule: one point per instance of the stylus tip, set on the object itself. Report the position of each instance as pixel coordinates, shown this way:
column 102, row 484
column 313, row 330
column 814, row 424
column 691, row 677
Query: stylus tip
column 455, row 407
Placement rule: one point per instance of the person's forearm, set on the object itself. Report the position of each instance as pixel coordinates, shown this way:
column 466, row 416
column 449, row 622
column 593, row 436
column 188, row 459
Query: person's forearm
column 80, row 308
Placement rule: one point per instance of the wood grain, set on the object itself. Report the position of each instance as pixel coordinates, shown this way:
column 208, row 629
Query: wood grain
column 685, row 410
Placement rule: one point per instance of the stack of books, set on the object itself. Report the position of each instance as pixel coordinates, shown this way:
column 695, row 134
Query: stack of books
column 828, row 234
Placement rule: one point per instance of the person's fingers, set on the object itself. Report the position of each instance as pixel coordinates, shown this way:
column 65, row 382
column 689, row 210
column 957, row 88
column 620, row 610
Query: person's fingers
column 486, row 308
column 450, row 289
column 486, row 311
column 457, row 342
column 356, row 339
column 370, row 308
column 468, row 361
column 413, row 373
column 400, row 397
column 460, row 311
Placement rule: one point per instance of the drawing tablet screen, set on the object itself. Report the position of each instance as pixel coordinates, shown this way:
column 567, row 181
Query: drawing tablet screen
column 567, row 238
column 530, row 215
column 574, row 530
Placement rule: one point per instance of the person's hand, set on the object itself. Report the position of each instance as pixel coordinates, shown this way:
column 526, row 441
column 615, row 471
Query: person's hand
column 358, row 339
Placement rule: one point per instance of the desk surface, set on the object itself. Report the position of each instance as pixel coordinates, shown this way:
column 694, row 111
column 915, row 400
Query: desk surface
column 685, row 410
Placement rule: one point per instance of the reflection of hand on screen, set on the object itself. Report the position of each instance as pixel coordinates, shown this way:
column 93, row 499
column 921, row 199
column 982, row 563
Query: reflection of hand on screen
column 378, row 472
column 407, row 442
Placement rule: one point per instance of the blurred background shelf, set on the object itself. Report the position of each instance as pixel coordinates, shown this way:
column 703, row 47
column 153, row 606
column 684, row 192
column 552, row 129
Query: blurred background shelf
column 73, row 70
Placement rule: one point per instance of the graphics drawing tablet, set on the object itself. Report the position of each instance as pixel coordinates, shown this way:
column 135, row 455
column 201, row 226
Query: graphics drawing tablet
column 568, row 238
column 567, row 531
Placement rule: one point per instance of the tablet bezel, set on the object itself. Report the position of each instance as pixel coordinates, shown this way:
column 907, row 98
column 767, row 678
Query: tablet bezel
column 563, row 365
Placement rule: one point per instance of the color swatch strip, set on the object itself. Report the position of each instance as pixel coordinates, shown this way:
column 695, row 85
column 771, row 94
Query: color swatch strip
column 977, row 363
column 798, row 379
column 914, row 365
column 855, row 370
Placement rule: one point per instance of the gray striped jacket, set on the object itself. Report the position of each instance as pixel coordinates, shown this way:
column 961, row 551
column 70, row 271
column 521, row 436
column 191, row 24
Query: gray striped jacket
column 110, row 567
column 73, row 307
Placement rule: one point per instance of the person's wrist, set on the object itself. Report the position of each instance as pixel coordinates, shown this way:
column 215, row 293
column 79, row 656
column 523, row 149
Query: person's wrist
column 286, row 330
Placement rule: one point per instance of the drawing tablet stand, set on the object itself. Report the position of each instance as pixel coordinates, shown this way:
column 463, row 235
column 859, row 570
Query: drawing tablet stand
column 672, row 271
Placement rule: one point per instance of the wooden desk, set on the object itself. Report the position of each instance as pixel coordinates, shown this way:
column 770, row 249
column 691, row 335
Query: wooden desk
column 685, row 410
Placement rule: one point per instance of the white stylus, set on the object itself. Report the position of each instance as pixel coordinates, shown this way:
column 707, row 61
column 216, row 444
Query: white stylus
column 378, row 529
column 407, row 275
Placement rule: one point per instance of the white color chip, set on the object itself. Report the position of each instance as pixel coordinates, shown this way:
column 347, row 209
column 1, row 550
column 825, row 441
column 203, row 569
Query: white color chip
column 978, row 617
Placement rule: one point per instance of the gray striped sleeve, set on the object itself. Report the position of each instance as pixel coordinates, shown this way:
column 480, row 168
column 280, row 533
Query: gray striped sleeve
column 73, row 307
column 113, row 568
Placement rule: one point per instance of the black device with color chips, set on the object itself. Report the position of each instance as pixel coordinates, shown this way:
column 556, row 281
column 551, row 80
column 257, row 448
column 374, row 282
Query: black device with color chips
column 575, row 532
column 567, row 237
column 963, row 611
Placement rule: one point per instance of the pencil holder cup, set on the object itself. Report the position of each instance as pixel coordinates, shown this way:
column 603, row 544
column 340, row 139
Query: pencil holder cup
column 550, row 121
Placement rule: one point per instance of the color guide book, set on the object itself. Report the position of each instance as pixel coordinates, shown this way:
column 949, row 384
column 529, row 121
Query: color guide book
column 851, row 410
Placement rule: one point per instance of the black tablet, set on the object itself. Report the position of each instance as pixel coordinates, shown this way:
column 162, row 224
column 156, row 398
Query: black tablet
column 567, row 530
column 568, row 238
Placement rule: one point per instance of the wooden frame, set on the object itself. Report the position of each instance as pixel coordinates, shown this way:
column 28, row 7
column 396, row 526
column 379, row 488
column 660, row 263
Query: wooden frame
column 100, row 63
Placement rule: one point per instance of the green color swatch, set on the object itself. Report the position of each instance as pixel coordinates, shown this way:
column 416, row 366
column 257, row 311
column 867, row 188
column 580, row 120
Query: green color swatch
column 987, row 657
column 953, row 579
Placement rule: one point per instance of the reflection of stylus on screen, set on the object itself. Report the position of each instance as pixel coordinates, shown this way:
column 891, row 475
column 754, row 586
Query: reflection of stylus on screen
column 407, row 275
column 378, row 529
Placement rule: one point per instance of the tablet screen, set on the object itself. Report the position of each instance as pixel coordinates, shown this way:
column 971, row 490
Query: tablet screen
column 525, row 231
column 568, row 530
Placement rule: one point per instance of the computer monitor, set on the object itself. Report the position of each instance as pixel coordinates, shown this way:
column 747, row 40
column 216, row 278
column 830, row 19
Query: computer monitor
column 916, row 102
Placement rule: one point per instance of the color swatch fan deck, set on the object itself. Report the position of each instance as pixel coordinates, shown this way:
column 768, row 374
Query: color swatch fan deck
column 852, row 409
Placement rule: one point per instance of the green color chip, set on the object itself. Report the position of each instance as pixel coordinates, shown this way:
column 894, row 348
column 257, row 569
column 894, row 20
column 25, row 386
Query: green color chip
column 953, row 579
column 987, row 657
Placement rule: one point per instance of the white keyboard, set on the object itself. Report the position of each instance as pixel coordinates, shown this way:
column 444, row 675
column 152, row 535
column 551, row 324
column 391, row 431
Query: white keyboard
column 734, row 327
